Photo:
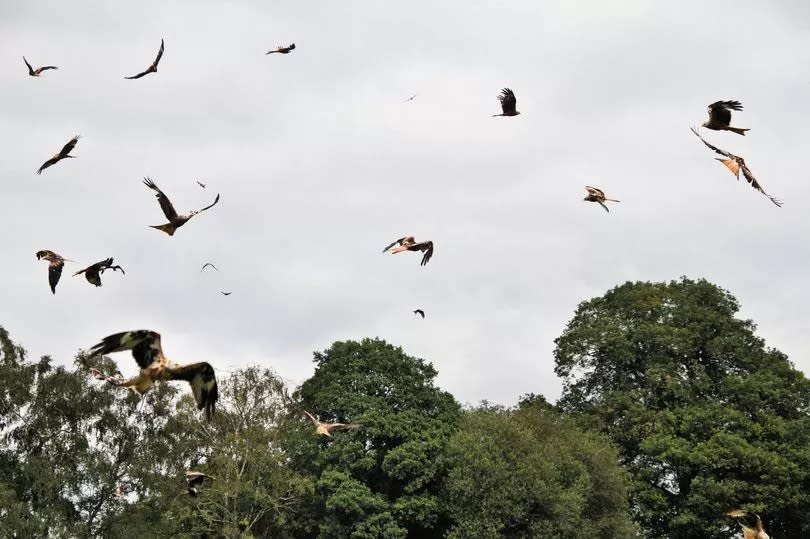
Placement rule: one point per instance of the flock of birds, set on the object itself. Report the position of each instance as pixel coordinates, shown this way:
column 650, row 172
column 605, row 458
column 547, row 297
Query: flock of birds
column 146, row 344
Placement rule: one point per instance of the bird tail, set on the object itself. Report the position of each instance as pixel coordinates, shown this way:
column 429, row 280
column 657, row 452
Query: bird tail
column 168, row 228
column 738, row 130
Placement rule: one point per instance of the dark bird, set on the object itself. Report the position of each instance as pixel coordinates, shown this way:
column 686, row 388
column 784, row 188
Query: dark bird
column 410, row 98
column 93, row 272
column 282, row 50
column 758, row 532
column 195, row 480
column 720, row 117
column 225, row 293
column 55, row 265
column 36, row 72
column 508, row 103
column 207, row 264
column 152, row 68
column 63, row 154
column 326, row 428
column 201, row 184
column 175, row 220
column 148, row 354
column 735, row 164
column 409, row 244
column 420, row 312
column 597, row 195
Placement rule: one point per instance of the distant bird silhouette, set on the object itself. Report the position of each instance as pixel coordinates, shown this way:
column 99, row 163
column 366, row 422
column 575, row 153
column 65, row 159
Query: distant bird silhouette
column 93, row 272
column 282, row 50
column 735, row 164
column 408, row 243
column 508, row 103
column 225, row 293
column 326, row 429
column 410, row 98
column 55, row 265
column 63, row 154
column 207, row 264
column 195, row 480
column 597, row 195
column 36, row 72
column 720, row 117
column 758, row 532
column 201, row 184
column 152, row 68
column 420, row 312
column 175, row 220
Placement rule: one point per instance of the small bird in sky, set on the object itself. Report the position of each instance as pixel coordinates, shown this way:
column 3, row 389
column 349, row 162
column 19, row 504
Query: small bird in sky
column 63, row 154
column 225, row 293
column 508, row 103
column 408, row 243
column 597, row 195
column 720, row 117
column 152, row 68
column 175, row 220
column 208, row 264
column 93, row 272
column 420, row 312
column 326, row 429
column 36, row 72
column 410, row 98
column 201, row 184
column 55, row 265
column 282, row 50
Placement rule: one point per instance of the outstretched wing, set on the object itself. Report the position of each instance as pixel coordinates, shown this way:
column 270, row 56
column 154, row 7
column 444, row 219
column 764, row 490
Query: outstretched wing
column 712, row 147
column 399, row 241
column 426, row 247
column 54, row 273
column 46, row 164
column 45, row 68
column 30, row 69
column 311, row 417
column 755, row 184
column 159, row 55
column 145, row 346
column 67, row 148
column 203, row 382
column 342, row 426
column 508, row 101
column 165, row 203
column 139, row 75
column 214, row 203
column 208, row 264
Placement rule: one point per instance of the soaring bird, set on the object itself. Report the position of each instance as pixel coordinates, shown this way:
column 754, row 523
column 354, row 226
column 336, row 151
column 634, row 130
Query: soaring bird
column 194, row 480
column 720, row 116
column 409, row 244
column 152, row 68
column 55, row 265
column 208, row 264
column 225, row 293
column 93, row 272
column 175, row 220
column 148, row 354
column 749, row 533
column 63, row 154
column 36, row 72
column 508, row 103
column 597, row 195
column 735, row 164
column 201, row 184
column 410, row 98
column 282, row 50
column 420, row 312
column 327, row 428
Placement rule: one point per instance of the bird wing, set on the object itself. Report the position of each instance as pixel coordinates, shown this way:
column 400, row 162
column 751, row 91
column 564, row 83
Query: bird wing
column 208, row 264
column 203, row 382
column 420, row 312
column 159, row 55
column 55, row 272
column 201, row 184
column 45, row 68
column 749, row 176
column 424, row 246
column 49, row 162
column 342, row 426
column 30, row 69
column 595, row 191
column 399, row 241
column 207, row 207
column 603, row 205
column 720, row 112
column 91, row 272
column 66, row 149
column 508, row 101
column 165, row 203
column 195, row 478
column 139, row 75
column 311, row 418
column 712, row 147
column 145, row 346
column 225, row 293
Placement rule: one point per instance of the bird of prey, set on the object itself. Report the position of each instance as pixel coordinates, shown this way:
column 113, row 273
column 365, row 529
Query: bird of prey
column 225, row 293
column 749, row 533
column 93, row 272
column 326, row 429
column 720, row 116
column 420, row 312
column 55, row 265
column 282, row 50
column 597, row 195
column 175, row 220
column 735, row 164
column 508, row 103
column 36, row 72
column 194, row 480
column 152, row 68
column 63, row 154
column 208, row 264
column 201, row 184
column 148, row 354
column 408, row 243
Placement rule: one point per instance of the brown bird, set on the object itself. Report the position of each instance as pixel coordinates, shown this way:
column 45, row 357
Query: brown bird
column 148, row 354
column 55, row 265
column 282, row 50
column 749, row 533
column 420, row 312
column 152, row 68
column 194, row 480
column 508, row 103
column 597, row 195
column 409, row 244
column 63, row 154
column 175, row 220
column 93, row 272
column 720, row 117
column 36, row 72
column 735, row 164
column 326, row 428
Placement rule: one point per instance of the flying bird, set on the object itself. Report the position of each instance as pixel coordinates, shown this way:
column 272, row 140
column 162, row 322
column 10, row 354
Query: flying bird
column 225, row 293
column 201, row 184
column 735, row 164
column 420, row 312
column 207, row 264
column 152, row 68
column 410, row 98
column 326, row 429
column 194, row 480
column 408, row 243
column 508, row 103
column 155, row 366
column 175, row 220
column 36, row 72
column 55, row 265
column 63, row 154
column 597, row 195
column 757, row 532
column 282, row 50
column 720, row 117
column 93, row 272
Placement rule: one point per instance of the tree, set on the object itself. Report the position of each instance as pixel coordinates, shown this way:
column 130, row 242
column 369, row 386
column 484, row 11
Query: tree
column 706, row 418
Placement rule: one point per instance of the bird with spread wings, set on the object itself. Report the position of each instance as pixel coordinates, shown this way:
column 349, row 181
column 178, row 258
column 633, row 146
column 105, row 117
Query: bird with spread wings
column 419, row 312
column 195, row 480
column 207, row 264
column 735, row 164
column 152, row 68
column 38, row 71
column 758, row 532
column 175, row 220
column 282, row 50
column 720, row 117
column 508, row 103
column 55, row 265
column 597, row 195
column 326, row 429
column 63, row 154
column 93, row 272
column 155, row 366
column 408, row 243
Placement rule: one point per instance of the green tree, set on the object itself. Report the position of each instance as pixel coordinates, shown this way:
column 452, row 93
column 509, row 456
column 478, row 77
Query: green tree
column 705, row 417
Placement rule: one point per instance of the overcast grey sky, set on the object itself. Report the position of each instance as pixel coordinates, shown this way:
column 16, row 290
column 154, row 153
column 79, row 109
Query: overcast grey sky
column 321, row 163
